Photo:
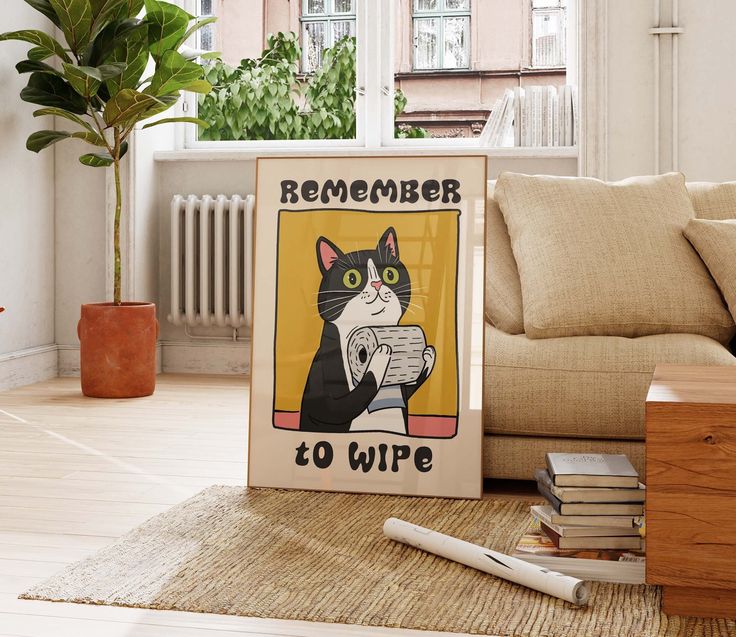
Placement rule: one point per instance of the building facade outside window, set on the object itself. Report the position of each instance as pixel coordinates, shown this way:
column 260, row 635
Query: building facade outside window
column 548, row 33
column 441, row 34
column 324, row 22
column 452, row 60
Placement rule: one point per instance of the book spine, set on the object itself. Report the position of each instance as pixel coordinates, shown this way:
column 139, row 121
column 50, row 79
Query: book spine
column 554, row 501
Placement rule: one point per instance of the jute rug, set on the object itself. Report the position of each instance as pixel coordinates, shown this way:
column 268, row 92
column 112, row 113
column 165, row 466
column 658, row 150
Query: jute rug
column 323, row 557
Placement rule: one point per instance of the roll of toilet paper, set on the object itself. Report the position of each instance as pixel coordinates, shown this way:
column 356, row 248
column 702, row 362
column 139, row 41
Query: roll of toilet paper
column 407, row 343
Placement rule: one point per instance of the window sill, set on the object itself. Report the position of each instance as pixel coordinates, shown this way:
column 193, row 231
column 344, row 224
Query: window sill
column 249, row 154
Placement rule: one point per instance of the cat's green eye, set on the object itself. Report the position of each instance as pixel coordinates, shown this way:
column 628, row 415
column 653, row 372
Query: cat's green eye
column 351, row 279
column 390, row 276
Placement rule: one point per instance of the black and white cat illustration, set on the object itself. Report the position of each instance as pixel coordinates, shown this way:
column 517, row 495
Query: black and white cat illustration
column 364, row 288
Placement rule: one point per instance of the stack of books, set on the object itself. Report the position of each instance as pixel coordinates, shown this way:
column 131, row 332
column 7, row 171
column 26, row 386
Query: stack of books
column 594, row 511
column 533, row 116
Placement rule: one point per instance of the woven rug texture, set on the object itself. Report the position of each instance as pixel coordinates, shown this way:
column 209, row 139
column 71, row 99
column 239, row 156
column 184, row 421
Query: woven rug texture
column 322, row 557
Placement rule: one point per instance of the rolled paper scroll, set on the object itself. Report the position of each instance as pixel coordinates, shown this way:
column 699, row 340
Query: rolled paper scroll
column 492, row 562
column 407, row 343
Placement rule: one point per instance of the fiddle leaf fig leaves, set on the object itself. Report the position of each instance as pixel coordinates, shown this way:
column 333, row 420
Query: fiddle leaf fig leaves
column 104, row 159
column 167, row 24
column 186, row 120
column 174, row 73
column 97, row 160
column 33, row 66
column 85, row 80
column 59, row 112
column 99, row 85
column 45, row 44
column 133, row 52
column 45, row 138
column 76, row 21
column 126, row 106
column 50, row 90
column 44, row 6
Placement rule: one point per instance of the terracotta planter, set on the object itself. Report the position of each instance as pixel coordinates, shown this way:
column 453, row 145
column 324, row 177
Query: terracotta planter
column 118, row 349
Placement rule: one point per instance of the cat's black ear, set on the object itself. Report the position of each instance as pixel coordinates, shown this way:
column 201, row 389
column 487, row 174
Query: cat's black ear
column 388, row 245
column 327, row 254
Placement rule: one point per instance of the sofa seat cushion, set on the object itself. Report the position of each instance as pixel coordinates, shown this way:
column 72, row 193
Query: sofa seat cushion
column 599, row 258
column 580, row 386
column 503, row 289
column 516, row 457
column 715, row 242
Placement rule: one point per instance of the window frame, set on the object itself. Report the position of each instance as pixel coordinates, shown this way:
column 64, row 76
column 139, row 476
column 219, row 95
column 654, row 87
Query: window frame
column 441, row 14
column 328, row 18
column 374, row 104
column 213, row 26
column 561, row 7
column 187, row 135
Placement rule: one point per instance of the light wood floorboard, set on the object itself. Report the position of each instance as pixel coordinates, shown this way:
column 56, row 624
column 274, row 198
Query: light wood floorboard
column 77, row 473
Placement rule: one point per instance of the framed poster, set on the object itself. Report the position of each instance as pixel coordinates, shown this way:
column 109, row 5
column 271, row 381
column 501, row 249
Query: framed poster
column 361, row 345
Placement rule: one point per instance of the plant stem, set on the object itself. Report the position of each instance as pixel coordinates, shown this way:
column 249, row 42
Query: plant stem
column 117, row 294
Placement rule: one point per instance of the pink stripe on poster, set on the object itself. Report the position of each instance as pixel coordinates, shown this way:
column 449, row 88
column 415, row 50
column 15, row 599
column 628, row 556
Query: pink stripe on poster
column 419, row 426
column 286, row 419
column 433, row 426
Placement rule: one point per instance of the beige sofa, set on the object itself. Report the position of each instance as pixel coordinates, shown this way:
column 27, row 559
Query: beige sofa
column 576, row 393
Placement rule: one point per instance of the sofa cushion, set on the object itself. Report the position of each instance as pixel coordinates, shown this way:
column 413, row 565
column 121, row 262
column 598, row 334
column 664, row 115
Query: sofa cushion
column 713, row 200
column 715, row 242
column 598, row 258
column 516, row 457
column 503, row 289
column 581, row 386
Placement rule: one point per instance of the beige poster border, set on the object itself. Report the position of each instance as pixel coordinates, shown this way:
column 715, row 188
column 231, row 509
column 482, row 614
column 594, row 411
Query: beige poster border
column 457, row 462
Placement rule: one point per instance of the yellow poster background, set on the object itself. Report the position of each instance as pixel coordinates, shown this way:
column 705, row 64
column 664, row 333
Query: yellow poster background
column 428, row 247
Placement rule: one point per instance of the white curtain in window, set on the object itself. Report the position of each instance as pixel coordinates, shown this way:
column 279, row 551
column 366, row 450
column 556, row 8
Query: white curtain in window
column 344, row 6
column 456, row 43
column 548, row 41
column 457, row 5
column 426, row 5
column 313, row 43
column 342, row 28
column 313, row 7
column 426, row 37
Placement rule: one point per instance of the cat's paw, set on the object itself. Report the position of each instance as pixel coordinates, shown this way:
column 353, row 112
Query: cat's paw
column 379, row 363
column 429, row 355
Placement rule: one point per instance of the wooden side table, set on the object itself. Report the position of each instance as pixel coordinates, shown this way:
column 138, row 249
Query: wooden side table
column 691, row 489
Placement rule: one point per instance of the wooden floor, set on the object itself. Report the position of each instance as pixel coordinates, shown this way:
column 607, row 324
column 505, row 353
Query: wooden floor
column 76, row 473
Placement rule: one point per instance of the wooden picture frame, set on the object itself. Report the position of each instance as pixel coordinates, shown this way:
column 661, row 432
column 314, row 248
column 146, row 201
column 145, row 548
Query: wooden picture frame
column 362, row 333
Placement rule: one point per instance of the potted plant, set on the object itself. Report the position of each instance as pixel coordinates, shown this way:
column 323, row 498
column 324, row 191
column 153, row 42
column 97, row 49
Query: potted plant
column 123, row 63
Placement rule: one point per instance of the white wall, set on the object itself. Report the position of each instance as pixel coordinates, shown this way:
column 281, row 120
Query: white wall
column 40, row 251
column 706, row 102
column 26, row 219
column 80, row 241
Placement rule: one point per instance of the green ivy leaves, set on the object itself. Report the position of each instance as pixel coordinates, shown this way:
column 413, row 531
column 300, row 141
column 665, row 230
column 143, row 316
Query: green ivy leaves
column 265, row 98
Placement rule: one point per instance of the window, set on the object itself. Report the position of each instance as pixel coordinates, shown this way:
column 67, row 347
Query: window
column 206, row 35
column 324, row 22
column 441, row 34
column 372, row 89
column 548, row 33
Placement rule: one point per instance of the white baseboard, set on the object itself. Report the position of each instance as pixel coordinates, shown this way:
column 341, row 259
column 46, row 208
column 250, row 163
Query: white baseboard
column 28, row 366
column 205, row 357
column 68, row 360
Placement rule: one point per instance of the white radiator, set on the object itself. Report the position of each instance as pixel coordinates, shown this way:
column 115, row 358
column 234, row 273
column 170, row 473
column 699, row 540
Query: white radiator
column 211, row 261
